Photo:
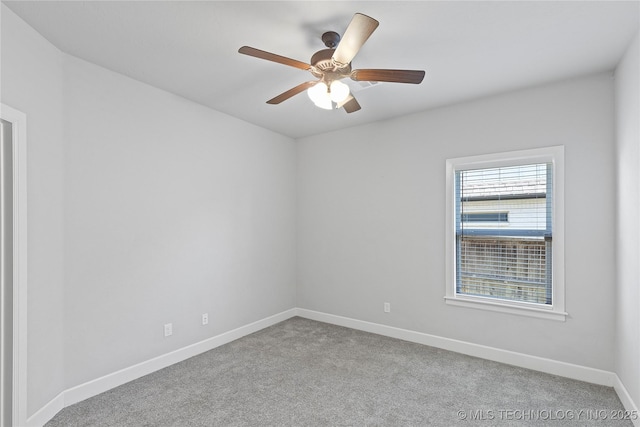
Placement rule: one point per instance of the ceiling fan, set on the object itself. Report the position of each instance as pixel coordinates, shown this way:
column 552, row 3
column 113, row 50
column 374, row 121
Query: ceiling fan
column 334, row 64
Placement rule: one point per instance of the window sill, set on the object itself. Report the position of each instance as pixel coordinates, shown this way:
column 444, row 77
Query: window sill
column 501, row 307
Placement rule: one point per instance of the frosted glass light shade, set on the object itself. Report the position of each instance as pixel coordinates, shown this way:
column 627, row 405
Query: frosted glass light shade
column 325, row 98
column 339, row 91
column 319, row 94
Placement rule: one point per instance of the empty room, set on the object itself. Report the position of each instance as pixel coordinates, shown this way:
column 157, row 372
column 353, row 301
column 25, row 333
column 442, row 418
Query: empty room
column 320, row 213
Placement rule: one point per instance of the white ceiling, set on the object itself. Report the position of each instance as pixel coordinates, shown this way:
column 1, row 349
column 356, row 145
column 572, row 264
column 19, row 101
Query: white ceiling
column 468, row 49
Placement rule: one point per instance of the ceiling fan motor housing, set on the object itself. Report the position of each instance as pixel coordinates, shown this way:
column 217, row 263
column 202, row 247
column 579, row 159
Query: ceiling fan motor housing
column 324, row 66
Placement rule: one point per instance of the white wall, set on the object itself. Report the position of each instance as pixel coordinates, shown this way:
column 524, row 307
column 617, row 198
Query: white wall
column 371, row 218
column 172, row 210
column 32, row 83
column 144, row 209
column 628, row 220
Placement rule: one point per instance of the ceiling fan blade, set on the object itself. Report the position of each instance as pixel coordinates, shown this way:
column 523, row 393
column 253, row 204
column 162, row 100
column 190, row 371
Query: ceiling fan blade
column 291, row 92
column 251, row 51
column 394, row 76
column 358, row 31
column 350, row 104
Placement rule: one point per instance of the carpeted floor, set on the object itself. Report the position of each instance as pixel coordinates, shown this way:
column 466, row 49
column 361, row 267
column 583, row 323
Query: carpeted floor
column 306, row 373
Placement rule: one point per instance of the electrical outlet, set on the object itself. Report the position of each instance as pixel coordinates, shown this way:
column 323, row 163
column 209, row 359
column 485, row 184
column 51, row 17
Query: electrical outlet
column 168, row 329
column 387, row 307
column 205, row 318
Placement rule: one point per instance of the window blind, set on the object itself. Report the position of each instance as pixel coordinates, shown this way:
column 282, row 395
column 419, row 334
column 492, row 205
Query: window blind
column 504, row 232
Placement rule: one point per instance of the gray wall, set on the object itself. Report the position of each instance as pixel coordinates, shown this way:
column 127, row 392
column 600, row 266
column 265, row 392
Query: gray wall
column 172, row 210
column 371, row 218
column 144, row 209
column 628, row 220
column 32, row 82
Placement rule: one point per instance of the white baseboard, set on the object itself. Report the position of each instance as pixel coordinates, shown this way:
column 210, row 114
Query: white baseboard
column 99, row 385
column 549, row 366
column 568, row 370
column 47, row 412
column 107, row 382
column 627, row 402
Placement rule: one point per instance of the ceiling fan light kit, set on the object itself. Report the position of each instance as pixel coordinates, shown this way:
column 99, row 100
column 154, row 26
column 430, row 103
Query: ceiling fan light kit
column 328, row 97
column 334, row 64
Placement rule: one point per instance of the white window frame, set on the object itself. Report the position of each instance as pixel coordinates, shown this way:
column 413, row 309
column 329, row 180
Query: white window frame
column 553, row 155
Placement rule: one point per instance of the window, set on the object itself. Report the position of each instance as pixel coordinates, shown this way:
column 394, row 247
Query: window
column 485, row 216
column 505, row 232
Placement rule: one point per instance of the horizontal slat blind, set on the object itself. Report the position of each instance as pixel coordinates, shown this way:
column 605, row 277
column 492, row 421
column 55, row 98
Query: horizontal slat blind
column 508, row 258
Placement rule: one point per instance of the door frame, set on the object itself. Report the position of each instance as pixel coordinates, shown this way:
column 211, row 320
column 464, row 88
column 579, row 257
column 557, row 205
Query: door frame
column 18, row 122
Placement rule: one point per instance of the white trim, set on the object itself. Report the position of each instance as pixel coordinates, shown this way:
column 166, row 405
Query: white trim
column 19, row 152
column 115, row 379
column 541, row 364
column 626, row 400
column 107, row 382
column 511, row 308
column 549, row 366
column 47, row 412
column 553, row 154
